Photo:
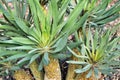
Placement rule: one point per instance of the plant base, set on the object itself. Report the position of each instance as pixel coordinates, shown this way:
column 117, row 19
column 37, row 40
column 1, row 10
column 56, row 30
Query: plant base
column 52, row 71
column 22, row 75
column 38, row 75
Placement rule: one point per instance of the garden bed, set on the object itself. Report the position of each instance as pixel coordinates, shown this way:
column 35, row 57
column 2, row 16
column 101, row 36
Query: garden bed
column 64, row 65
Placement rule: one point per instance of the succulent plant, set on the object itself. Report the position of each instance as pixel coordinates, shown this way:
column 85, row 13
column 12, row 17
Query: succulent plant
column 98, row 53
column 36, row 31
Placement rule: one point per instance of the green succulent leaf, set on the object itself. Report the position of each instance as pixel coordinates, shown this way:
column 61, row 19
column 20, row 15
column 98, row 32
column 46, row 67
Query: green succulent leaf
column 62, row 56
column 22, row 40
column 86, row 68
column 15, row 68
column 14, row 57
column 71, row 19
column 45, row 59
column 96, row 72
column 60, row 44
column 40, row 67
column 34, row 13
column 20, row 48
column 7, row 42
column 74, row 44
column 79, row 56
column 89, row 73
column 21, row 24
column 26, row 58
column 7, row 14
column 63, row 8
column 107, row 71
column 34, row 57
column 9, row 53
column 54, row 13
column 7, row 27
column 77, row 62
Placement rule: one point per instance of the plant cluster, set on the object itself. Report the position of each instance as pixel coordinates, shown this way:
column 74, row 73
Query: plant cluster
column 35, row 34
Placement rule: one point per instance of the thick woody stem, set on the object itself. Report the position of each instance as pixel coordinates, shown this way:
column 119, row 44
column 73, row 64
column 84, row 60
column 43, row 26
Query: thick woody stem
column 71, row 73
column 38, row 75
column 52, row 70
column 22, row 75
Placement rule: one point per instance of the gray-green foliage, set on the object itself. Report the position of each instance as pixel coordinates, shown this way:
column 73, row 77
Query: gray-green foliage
column 99, row 52
column 100, row 13
column 36, row 31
